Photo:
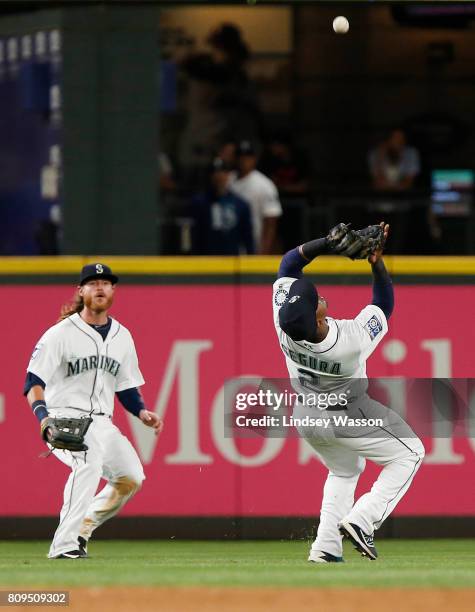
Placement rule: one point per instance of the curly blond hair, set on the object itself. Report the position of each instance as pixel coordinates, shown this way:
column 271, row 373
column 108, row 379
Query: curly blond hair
column 73, row 307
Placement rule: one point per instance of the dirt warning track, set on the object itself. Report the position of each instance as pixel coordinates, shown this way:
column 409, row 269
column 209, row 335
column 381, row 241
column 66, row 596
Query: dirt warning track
column 233, row 599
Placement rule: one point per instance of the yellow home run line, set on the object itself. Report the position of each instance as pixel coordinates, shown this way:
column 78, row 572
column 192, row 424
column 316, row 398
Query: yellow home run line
column 252, row 265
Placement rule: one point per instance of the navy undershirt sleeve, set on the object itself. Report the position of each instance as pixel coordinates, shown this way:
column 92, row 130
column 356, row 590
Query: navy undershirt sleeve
column 314, row 248
column 131, row 400
column 296, row 259
column 383, row 293
column 31, row 381
column 291, row 264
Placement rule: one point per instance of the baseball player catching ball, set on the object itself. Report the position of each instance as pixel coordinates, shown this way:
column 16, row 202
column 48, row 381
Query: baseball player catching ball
column 75, row 370
column 326, row 353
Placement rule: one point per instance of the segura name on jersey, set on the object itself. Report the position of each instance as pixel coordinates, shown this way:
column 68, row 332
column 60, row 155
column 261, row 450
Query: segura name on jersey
column 328, row 367
column 93, row 362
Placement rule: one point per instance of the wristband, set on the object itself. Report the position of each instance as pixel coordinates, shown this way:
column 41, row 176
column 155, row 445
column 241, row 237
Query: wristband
column 39, row 409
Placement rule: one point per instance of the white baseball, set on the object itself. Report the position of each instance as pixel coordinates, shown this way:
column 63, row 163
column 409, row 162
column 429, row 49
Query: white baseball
column 341, row 25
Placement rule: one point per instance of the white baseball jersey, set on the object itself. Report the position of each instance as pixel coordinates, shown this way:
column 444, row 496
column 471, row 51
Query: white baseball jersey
column 83, row 371
column 341, row 355
column 327, row 366
column 262, row 196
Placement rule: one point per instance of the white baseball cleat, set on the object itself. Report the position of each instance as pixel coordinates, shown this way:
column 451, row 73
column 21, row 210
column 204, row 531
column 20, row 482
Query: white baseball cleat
column 71, row 554
column 318, row 556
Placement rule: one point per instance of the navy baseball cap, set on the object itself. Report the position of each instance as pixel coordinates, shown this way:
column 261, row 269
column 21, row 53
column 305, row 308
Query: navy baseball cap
column 97, row 270
column 219, row 165
column 297, row 314
column 246, row 147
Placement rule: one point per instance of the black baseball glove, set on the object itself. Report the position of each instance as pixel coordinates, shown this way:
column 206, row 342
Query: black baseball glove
column 355, row 244
column 65, row 433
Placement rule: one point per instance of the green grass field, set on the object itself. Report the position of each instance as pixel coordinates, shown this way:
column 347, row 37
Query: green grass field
column 402, row 563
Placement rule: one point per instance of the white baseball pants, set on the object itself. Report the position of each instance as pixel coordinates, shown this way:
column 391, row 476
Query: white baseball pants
column 400, row 452
column 110, row 456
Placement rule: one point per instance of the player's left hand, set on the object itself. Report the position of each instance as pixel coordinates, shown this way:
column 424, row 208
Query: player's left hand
column 150, row 419
column 374, row 257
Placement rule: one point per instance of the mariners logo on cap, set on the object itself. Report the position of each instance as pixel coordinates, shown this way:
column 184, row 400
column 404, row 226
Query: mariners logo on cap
column 97, row 270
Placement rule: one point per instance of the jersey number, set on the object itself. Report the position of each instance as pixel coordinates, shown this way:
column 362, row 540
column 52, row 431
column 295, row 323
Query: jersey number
column 309, row 380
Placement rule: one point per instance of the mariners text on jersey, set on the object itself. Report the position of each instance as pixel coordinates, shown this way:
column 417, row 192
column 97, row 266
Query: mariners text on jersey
column 81, row 369
column 93, row 362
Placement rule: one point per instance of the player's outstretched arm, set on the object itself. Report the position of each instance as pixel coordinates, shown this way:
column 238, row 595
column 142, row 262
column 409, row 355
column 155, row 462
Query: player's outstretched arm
column 294, row 261
column 383, row 293
column 341, row 240
column 378, row 254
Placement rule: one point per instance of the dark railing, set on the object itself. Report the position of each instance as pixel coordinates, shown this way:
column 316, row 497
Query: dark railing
column 414, row 229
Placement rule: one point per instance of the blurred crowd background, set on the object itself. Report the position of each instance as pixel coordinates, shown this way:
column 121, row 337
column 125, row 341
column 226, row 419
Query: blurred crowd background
column 223, row 129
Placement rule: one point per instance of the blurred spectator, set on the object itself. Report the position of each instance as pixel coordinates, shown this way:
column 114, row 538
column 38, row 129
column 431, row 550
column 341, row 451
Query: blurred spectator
column 281, row 163
column 165, row 169
column 220, row 99
column 228, row 153
column 262, row 195
column 49, row 233
column 393, row 164
column 223, row 223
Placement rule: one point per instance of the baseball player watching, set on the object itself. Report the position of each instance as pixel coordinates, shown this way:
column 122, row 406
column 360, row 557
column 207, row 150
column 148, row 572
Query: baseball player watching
column 75, row 369
column 330, row 354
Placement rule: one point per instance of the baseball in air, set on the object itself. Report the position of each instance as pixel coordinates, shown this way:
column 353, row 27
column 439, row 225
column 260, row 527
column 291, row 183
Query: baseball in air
column 341, row 25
